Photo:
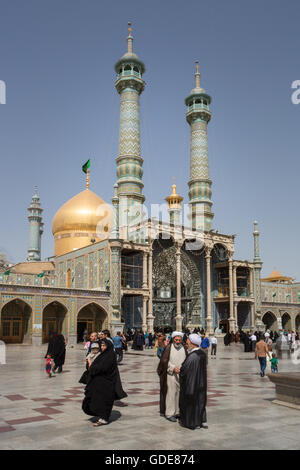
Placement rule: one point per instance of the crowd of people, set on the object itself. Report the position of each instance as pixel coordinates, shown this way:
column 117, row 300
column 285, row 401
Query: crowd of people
column 182, row 367
column 182, row 374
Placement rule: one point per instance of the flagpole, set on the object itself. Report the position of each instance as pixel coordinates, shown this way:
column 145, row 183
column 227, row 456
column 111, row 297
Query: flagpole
column 87, row 179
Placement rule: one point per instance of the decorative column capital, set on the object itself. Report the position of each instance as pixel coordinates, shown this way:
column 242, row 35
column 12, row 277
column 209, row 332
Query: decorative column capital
column 208, row 250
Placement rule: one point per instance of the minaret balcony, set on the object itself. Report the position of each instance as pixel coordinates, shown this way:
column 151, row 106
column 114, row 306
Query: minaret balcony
column 196, row 112
column 198, row 106
column 129, row 81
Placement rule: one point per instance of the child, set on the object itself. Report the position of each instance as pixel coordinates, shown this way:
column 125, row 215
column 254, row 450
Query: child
column 48, row 365
column 95, row 351
column 274, row 363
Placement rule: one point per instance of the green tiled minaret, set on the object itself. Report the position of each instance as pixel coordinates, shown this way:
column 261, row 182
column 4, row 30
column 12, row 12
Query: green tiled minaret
column 35, row 228
column 198, row 115
column 129, row 85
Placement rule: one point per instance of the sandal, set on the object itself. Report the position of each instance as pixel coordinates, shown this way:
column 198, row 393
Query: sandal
column 100, row 422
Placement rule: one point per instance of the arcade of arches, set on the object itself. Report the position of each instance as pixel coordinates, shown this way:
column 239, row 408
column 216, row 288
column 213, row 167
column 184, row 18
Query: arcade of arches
column 16, row 324
column 271, row 321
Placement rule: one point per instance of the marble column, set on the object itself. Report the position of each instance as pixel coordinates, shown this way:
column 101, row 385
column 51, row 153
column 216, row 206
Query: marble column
column 145, row 255
column 251, row 281
column 235, row 293
column 178, row 288
column 235, row 305
column 231, row 312
column 150, row 317
column 252, row 316
column 144, row 314
column 115, row 285
column 208, row 290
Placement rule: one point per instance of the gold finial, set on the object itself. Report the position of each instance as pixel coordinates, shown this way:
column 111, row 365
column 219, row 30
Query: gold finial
column 129, row 39
column 174, row 200
column 197, row 74
column 87, row 179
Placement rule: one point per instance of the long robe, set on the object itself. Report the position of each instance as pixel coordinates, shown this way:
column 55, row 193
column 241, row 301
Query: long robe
column 57, row 350
column 227, row 339
column 193, row 390
column 103, row 385
column 162, row 370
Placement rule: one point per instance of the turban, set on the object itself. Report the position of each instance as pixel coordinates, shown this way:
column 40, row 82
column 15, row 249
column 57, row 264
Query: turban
column 195, row 339
column 267, row 335
column 177, row 333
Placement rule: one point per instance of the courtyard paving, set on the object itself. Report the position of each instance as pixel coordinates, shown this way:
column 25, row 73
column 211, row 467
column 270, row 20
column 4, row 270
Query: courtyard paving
column 41, row 413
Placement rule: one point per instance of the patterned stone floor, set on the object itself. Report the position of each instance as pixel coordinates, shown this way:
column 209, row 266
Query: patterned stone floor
column 41, row 413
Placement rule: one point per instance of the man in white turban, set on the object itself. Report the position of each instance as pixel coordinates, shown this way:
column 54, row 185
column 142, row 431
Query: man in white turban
column 168, row 371
column 193, row 386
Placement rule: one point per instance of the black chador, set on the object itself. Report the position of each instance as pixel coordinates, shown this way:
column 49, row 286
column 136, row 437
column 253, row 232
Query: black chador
column 103, row 384
column 57, row 350
column 193, row 390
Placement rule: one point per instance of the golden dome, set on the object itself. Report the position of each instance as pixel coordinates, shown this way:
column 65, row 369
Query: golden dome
column 81, row 221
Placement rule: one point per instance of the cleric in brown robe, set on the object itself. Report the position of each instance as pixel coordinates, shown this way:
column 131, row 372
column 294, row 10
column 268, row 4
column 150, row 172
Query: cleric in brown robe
column 193, row 386
column 162, row 371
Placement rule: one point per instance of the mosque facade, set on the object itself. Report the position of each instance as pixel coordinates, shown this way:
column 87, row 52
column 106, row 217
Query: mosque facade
column 112, row 268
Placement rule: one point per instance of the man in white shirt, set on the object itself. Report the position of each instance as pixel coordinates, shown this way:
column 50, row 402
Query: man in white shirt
column 253, row 339
column 214, row 343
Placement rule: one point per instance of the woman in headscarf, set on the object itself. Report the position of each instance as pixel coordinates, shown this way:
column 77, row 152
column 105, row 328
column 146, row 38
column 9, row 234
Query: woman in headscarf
column 58, row 352
column 103, row 384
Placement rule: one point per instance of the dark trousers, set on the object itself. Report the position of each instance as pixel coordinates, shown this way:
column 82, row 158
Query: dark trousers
column 119, row 352
column 213, row 350
column 253, row 344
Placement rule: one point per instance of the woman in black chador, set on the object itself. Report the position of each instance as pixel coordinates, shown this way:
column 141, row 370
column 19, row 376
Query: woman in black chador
column 57, row 351
column 103, row 385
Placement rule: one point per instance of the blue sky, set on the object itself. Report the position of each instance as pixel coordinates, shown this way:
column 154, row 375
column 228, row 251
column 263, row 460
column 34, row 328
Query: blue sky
column 57, row 60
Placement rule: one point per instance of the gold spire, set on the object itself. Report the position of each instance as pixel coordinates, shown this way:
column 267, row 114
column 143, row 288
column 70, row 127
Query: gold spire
column 174, row 200
column 129, row 39
column 87, row 179
column 197, row 75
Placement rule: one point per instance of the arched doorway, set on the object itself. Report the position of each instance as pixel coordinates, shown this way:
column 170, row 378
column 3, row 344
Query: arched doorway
column 16, row 324
column 286, row 321
column 224, row 326
column 90, row 318
column 297, row 322
column 55, row 320
column 270, row 321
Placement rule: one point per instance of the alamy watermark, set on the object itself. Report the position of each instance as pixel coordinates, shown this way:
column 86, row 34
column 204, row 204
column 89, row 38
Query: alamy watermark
column 2, row 92
column 296, row 94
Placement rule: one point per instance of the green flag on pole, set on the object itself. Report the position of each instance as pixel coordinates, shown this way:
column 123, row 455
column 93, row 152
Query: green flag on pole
column 41, row 274
column 274, row 294
column 7, row 273
column 86, row 166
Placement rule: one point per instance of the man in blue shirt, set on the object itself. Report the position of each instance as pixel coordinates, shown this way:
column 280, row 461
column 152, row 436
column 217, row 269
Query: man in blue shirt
column 118, row 345
column 205, row 345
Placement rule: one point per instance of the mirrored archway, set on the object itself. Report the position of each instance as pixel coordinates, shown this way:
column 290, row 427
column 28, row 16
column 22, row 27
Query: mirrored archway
column 90, row 318
column 55, row 320
column 16, row 322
